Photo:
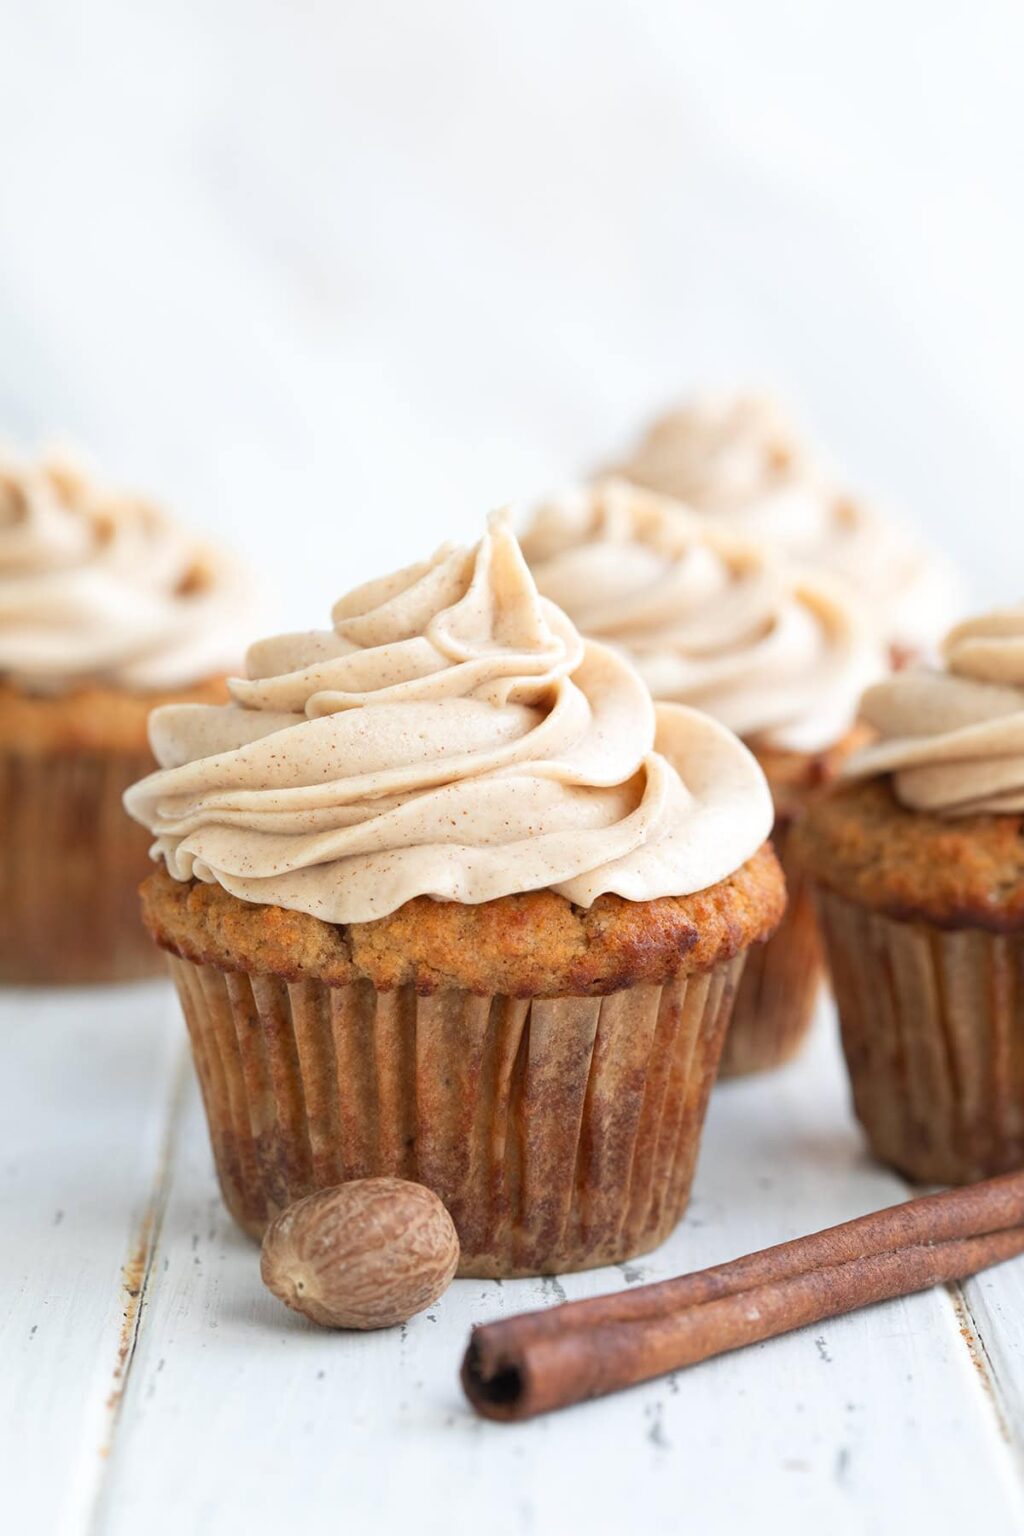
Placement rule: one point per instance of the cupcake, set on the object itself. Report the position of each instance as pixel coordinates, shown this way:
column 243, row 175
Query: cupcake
column 918, row 859
column 777, row 654
column 105, row 610
column 447, row 898
column 739, row 460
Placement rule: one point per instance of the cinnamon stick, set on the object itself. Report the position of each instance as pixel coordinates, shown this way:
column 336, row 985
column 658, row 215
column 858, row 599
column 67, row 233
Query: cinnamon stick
column 539, row 1361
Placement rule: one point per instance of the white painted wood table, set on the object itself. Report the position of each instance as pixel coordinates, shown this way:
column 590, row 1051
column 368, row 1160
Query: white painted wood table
column 149, row 1383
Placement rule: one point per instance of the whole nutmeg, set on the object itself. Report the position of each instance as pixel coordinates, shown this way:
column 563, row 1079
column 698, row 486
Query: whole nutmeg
column 367, row 1254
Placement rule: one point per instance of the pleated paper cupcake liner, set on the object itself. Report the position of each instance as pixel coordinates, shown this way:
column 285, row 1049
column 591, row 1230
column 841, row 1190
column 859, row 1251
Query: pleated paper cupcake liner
column 781, row 981
column 70, row 866
column 560, row 1133
column 933, row 1031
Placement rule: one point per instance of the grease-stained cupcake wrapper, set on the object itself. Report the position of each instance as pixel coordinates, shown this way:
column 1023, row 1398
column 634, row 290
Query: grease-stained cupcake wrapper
column 933, row 1031
column 560, row 1133
column 70, row 866
column 781, row 980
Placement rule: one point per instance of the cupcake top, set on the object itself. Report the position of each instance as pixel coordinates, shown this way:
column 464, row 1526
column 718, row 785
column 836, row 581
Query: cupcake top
column 778, row 654
column 99, row 587
column 736, row 455
column 952, row 740
column 451, row 736
column 738, row 458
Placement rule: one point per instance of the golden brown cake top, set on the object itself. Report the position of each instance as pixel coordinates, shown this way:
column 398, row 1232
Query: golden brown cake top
column 101, row 589
column 452, row 736
column 533, row 945
column 859, row 841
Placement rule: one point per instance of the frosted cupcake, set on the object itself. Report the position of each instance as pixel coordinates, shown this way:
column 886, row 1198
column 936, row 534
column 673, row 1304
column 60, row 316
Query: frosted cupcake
column 449, row 899
column 919, row 860
column 105, row 610
column 717, row 623
column 738, row 459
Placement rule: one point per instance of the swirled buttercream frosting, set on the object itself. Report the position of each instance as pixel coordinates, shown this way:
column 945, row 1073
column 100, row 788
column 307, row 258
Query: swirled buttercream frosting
column 101, row 587
column 740, row 460
column 777, row 653
column 450, row 736
column 953, row 740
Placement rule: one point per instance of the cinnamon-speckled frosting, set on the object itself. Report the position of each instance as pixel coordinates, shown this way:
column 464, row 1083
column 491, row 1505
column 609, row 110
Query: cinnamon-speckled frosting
column 451, row 736
column 739, row 459
column 953, row 740
column 98, row 587
column 778, row 654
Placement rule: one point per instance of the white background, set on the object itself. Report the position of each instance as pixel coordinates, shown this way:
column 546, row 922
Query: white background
column 334, row 279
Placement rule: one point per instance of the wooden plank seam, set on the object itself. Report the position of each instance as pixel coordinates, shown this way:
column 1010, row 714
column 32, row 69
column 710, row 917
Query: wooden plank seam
column 970, row 1330
column 136, row 1274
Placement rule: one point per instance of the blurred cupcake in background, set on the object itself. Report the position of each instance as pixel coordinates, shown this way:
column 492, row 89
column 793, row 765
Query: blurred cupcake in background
column 449, row 898
column 739, row 459
column 918, row 856
column 106, row 608
column 778, row 654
